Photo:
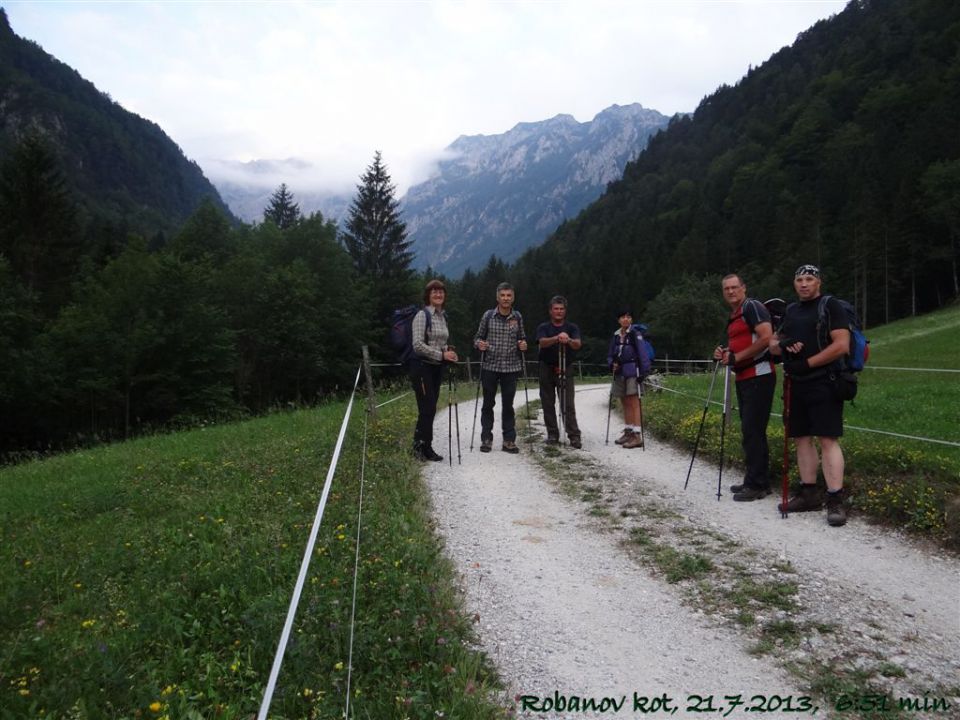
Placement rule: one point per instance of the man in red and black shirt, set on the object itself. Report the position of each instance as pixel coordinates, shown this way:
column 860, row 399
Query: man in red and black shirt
column 748, row 332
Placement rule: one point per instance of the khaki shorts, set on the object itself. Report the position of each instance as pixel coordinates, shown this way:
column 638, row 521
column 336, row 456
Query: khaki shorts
column 625, row 386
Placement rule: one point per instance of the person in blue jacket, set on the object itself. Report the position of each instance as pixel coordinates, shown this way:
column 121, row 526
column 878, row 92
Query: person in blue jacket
column 627, row 360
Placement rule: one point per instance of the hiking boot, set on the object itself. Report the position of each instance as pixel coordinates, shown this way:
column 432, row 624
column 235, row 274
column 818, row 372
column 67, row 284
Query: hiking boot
column 509, row 446
column 575, row 443
column 551, row 441
column 748, row 494
column 836, row 510
column 738, row 488
column 430, row 454
column 806, row 498
column 486, row 445
column 627, row 434
column 634, row 441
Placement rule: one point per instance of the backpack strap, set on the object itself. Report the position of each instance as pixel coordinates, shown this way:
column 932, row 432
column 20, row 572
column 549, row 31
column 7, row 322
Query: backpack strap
column 823, row 316
column 485, row 322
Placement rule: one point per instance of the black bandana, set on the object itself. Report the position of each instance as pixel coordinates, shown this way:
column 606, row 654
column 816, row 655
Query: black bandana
column 807, row 270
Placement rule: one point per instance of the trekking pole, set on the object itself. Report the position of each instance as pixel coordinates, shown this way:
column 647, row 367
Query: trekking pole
column 449, row 417
column 456, row 417
column 723, row 425
column 706, row 405
column 526, row 396
column 609, row 409
column 643, row 443
column 476, row 402
column 786, row 442
column 563, row 391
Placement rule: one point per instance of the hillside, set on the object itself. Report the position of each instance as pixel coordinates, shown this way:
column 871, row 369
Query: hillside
column 500, row 194
column 120, row 166
column 840, row 149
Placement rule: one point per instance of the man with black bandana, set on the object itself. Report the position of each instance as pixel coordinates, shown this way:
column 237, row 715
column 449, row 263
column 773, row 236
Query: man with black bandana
column 816, row 410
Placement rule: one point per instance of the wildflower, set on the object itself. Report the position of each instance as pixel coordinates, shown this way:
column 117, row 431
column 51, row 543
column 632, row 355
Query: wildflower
column 87, row 624
column 24, row 692
column 307, row 692
column 27, row 563
column 338, row 666
column 78, row 586
column 155, row 706
column 168, row 690
column 234, row 666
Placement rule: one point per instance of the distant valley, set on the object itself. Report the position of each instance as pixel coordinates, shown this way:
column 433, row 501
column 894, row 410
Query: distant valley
column 491, row 195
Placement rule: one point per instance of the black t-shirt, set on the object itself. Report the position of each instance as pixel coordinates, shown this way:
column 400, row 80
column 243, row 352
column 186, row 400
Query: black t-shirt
column 551, row 355
column 800, row 323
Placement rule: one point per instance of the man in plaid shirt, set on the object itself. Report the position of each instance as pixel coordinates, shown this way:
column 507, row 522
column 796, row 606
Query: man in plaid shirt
column 502, row 341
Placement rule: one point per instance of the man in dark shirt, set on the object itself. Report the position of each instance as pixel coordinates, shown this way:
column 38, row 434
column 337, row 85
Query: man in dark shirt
column 553, row 337
column 816, row 409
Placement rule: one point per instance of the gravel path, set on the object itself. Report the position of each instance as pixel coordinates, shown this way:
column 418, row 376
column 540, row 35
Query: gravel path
column 569, row 612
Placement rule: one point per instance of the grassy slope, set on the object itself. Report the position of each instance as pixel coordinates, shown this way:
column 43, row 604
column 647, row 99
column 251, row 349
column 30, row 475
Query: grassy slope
column 910, row 482
column 152, row 578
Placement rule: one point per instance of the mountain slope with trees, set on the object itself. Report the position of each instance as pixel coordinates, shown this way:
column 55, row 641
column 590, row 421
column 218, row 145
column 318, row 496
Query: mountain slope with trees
column 122, row 168
column 841, row 150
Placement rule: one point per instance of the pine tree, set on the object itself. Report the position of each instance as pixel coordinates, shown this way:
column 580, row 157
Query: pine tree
column 376, row 238
column 282, row 210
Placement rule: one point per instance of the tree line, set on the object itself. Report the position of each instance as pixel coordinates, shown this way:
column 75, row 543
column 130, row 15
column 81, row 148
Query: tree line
column 222, row 320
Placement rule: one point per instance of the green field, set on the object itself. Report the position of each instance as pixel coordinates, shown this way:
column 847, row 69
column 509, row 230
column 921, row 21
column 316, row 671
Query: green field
column 911, row 483
column 151, row 579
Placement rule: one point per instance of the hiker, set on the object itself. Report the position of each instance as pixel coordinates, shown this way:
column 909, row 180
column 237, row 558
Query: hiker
column 502, row 341
column 816, row 410
column 628, row 361
column 747, row 353
column 558, row 340
column 430, row 352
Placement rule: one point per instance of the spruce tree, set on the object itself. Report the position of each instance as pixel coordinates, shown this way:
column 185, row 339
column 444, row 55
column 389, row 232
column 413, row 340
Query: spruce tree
column 376, row 239
column 282, row 210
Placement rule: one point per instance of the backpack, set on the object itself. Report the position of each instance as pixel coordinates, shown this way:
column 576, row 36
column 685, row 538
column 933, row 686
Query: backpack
column 859, row 351
column 401, row 331
column 641, row 331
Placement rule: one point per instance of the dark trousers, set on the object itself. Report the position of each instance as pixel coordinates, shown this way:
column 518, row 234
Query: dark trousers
column 549, row 390
column 755, row 397
column 508, row 388
column 426, row 380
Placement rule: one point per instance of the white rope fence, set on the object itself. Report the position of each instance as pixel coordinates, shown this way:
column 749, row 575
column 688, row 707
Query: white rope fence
column 305, row 563
column 949, row 443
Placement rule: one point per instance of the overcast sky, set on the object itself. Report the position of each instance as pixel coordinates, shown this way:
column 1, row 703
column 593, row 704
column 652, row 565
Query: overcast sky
column 331, row 82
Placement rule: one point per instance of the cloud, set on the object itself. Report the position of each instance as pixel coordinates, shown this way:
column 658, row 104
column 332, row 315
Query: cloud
column 333, row 82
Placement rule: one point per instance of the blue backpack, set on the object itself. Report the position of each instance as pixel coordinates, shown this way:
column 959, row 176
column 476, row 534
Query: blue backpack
column 859, row 352
column 641, row 331
column 401, row 331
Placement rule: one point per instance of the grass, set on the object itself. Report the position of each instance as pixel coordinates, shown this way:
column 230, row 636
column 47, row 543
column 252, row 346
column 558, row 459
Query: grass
column 910, row 483
column 151, row 579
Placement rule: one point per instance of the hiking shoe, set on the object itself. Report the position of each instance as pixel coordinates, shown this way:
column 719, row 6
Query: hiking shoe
column 836, row 510
column 627, row 434
column 575, row 443
column 418, row 451
column 486, row 445
column 509, row 446
column 552, row 441
column 748, row 494
column 634, row 441
column 806, row 498
column 738, row 488
column 430, row 454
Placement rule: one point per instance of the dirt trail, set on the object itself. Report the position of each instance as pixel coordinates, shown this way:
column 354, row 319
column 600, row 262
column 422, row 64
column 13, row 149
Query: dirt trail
column 569, row 611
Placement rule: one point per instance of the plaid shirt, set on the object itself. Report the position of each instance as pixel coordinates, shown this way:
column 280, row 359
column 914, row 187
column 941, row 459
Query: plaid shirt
column 431, row 351
column 503, row 333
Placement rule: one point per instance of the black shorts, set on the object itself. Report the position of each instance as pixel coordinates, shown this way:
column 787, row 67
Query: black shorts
column 815, row 409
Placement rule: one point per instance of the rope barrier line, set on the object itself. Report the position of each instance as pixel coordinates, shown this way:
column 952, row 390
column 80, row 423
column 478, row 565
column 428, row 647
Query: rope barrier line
column 881, row 367
column 305, row 563
column 387, row 402
column 949, row 443
column 356, row 566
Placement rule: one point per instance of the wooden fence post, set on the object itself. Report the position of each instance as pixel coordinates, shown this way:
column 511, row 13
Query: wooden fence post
column 371, row 397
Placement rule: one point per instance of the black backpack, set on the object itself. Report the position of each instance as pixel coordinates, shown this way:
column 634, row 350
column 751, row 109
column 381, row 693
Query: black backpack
column 401, row 331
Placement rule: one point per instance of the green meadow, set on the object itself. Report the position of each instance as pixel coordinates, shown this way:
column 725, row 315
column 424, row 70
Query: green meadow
column 910, row 483
column 151, row 579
